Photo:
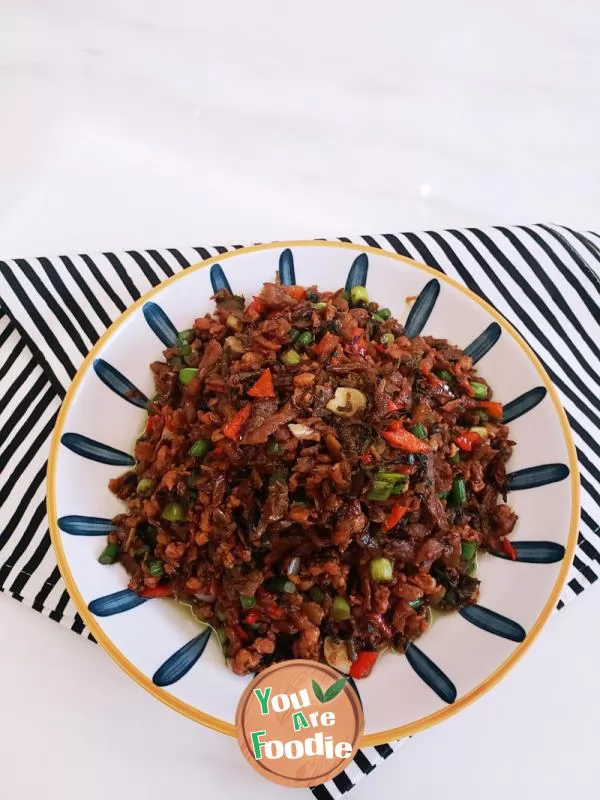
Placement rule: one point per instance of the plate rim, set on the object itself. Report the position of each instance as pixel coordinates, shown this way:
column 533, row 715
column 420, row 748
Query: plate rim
column 215, row 723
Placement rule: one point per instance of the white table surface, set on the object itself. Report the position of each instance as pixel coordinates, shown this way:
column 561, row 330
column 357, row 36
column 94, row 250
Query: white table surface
column 141, row 123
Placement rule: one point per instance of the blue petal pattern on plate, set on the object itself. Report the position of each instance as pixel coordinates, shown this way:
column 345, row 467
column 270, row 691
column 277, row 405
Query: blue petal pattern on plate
column 116, row 603
column 431, row 674
column 181, row 662
column 77, row 525
column 530, row 477
column 492, row 622
column 422, row 308
column 523, row 403
column 219, row 279
column 160, row 324
column 484, row 342
column 535, row 552
column 287, row 273
column 357, row 276
column 96, row 451
column 119, row 384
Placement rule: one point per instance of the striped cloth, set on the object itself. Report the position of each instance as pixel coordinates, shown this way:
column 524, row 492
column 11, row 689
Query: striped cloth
column 542, row 278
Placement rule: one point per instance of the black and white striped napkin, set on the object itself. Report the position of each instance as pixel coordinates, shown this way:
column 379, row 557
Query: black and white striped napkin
column 542, row 278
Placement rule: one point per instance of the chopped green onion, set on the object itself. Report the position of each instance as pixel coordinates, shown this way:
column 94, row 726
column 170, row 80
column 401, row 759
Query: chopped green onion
column 358, row 294
column 185, row 336
column 340, row 608
column 455, row 458
column 391, row 477
column 281, row 584
column 173, row 512
column 110, row 554
column 320, row 306
column 155, row 568
column 416, row 603
column 200, row 448
column 418, row 430
column 381, row 569
column 187, row 374
column 443, row 495
column 305, row 338
column 294, row 334
column 145, row 486
column 480, row 430
column 458, row 494
column 387, row 338
column 399, row 488
column 316, row 594
column 291, row 358
column 380, row 490
column 480, row 390
column 247, row 601
column 444, row 375
column 273, row 447
column 468, row 550
column 382, row 315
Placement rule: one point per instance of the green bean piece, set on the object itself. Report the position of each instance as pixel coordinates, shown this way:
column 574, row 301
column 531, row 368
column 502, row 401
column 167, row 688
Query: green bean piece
column 273, row 447
column 380, row 490
column 316, row 594
column 455, row 458
column 110, row 554
column 291, row 358
column 399, row 488
column 281, row 584
column 200, row 448
column 419, row 430
column 358, row 295
column 468, row 550
column 155, row 568
column 247, row 601
column 340, row 608
column 173, row 512
column 187, row 374
column 387, row 338
column 443, row 495
column 458, row 494
column 320, row 306
column 294, row 334
column 185, row 336
column 305, row 338
column 145, row 487
column 444, row 375
column 381, row 569
column 480, row 390
column 382, row 315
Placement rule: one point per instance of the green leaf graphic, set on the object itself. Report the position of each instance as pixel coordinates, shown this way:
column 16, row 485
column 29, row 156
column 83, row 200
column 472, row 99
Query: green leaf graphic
column 318, row 692
column 334, row 690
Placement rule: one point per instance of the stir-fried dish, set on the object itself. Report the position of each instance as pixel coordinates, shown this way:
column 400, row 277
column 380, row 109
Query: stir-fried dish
column 311, row 480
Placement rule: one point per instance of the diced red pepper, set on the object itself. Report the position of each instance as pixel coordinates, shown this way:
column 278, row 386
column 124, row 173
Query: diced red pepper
column 233, row 428
column 240, row 633
column 366, row 458
column 363, row 665
column 493, row 409
column 468, row 440
column 297, row 292
column 327, row 345
column 395, row 516
column 255, row 309
column 509, row 549
column 273, row 610
column 464, row 384
column 263, row 386
column 154, row 422
column 162, row 590
column 397, row 437
column 390, row 406
column 357, row 346
column 252, row 616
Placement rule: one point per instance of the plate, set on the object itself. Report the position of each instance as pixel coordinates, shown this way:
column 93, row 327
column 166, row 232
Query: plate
column 159, row 644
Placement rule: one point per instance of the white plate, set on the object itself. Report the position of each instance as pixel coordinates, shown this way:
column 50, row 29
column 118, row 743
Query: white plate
column 458, row 658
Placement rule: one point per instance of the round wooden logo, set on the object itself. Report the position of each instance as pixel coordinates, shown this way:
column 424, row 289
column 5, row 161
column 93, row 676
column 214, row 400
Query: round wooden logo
column 299, row 723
